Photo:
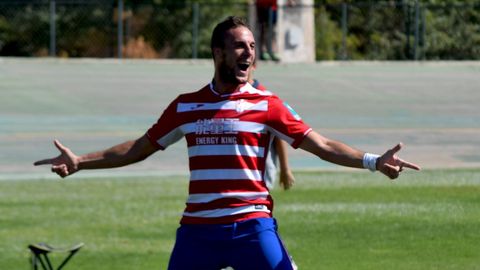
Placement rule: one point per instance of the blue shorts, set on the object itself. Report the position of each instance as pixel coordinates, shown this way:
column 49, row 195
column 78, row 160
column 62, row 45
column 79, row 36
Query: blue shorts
column 245, row 245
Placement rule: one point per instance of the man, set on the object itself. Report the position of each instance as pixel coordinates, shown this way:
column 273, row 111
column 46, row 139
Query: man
column 228, row 126
column 267, row 20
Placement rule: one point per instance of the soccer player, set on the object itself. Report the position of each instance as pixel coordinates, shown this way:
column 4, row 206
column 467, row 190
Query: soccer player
column 278, row 151
column 228, row 126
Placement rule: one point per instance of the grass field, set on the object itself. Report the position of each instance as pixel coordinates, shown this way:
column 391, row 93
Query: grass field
column 330, row 220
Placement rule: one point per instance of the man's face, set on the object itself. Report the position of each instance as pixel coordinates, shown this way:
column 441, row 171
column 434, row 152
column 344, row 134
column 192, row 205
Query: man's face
column 236, row 59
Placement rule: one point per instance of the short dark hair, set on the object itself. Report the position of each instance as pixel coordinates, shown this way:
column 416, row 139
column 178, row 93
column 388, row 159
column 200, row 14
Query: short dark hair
column 218, row 35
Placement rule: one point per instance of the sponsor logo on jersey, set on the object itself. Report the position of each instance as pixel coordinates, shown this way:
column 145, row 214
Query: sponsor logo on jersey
column 216, row 126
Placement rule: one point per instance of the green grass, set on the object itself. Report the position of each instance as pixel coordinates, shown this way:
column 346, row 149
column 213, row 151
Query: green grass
column 330, row 220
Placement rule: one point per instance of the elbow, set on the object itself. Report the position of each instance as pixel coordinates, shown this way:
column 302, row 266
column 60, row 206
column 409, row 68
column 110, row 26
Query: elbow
column 317, row 145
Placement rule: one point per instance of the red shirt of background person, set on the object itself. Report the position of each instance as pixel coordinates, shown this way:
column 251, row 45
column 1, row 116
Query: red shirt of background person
column 267, row 4
column 267, row 19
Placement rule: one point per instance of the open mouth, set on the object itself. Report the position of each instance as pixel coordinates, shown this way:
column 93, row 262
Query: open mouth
column 243, row 66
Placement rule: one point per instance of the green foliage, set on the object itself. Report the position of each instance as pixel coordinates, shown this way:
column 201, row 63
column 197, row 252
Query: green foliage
column 373, row 32
column 23, row 31
column 85, row 32
column 328, row 36
column 4, row 31
column 386, row 30
column 453, row 33
column 168, row 25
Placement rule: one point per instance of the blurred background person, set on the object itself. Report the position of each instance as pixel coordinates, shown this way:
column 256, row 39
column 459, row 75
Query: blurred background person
column 278, row 151
column 267, row 20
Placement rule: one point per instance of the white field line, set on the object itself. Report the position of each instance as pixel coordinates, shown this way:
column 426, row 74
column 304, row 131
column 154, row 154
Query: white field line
column 398, row 209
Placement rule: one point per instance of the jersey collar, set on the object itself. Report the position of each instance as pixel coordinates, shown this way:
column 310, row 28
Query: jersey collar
column 239, row 90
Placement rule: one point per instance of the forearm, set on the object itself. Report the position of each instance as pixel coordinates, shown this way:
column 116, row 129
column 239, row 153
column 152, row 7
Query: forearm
column 333, row 151
column 117, row 156
column 342, row 154
column 281, row 148
column 109, row 158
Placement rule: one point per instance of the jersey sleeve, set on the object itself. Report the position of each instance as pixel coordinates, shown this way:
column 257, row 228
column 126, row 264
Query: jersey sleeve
column 167, row 129
column 285, row 123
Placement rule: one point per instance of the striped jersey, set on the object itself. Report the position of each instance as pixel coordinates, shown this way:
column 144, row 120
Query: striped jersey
column 228, row 136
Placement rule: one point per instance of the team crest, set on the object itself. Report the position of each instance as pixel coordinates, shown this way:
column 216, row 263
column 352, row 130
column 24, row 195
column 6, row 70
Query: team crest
column 241, row 105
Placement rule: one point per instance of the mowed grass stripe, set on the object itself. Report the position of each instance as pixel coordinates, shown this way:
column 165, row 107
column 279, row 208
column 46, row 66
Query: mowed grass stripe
column 329, row 220
column 400, row 209
column 416, row 222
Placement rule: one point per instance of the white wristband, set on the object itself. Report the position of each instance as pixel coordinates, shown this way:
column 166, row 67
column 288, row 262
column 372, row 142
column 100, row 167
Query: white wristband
column 370, row 161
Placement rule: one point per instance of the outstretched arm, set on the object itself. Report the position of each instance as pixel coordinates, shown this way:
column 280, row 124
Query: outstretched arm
column 339, row 153
column 119, row 155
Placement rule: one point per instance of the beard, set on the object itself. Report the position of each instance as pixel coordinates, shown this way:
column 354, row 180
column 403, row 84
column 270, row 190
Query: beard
column 227, row 74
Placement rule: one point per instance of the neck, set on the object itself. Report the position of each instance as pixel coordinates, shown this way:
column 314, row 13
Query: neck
column 222, row 87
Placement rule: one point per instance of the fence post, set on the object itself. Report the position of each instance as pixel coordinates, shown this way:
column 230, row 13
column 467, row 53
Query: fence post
column 417, row 32
column 195, row 18
column 407, row 30
column 422, row 35
column 344, row 31
column 53, row 34
column 120, row 28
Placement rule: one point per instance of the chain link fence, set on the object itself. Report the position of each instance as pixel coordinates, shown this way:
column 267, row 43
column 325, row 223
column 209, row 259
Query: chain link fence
column 177, row 30
column 393, row 30
column 61, row 28
column 398, row 31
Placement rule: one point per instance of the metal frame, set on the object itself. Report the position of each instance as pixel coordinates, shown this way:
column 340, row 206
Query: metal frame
column 40, row 255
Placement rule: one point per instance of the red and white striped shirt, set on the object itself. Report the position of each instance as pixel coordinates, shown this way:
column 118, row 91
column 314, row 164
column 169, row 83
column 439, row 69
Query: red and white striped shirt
column 228, row 136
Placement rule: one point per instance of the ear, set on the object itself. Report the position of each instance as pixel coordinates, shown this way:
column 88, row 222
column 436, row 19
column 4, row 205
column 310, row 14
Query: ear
column 217, row 53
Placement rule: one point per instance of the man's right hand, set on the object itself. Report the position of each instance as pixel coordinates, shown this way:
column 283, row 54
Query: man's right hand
column 65, row 164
